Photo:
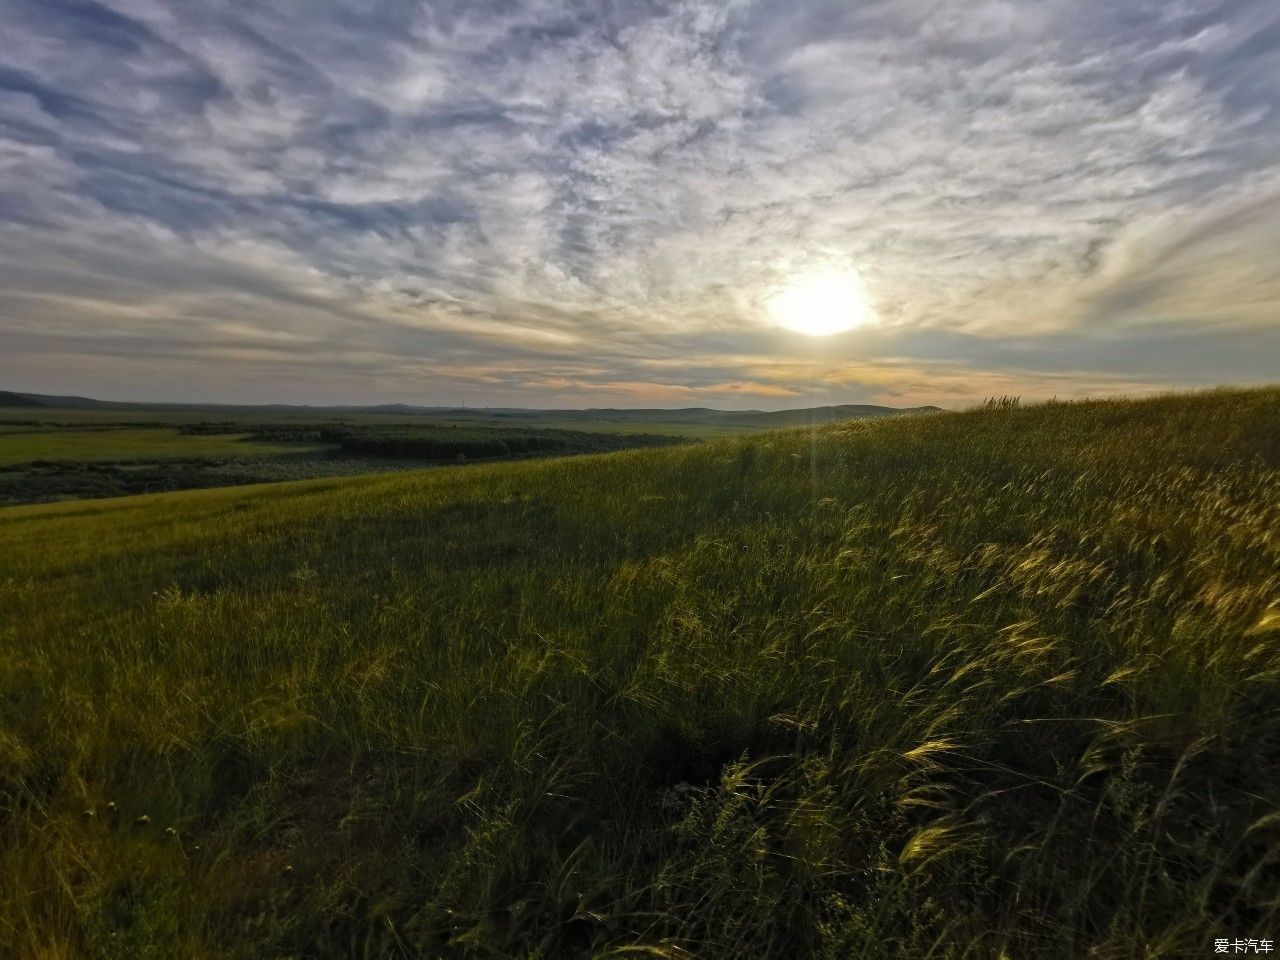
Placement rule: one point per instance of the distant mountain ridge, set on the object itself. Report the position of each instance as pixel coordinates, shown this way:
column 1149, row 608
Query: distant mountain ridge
column 708, row 416
column 10, row 398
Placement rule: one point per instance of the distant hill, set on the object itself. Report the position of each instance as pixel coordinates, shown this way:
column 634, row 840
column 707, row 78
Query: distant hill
column 401, row 408
column 805, row 416
column 10, row 398
column 693, row 416
column 700, row 416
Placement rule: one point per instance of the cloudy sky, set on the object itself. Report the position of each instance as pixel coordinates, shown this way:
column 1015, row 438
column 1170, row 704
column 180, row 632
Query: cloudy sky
column 588, row 204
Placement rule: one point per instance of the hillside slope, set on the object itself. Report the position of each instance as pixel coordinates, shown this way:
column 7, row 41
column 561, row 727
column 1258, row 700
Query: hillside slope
column 996, row 683
column 10, row 399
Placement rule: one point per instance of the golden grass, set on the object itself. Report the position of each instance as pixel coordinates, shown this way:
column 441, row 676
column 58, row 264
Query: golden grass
column 1000, row 683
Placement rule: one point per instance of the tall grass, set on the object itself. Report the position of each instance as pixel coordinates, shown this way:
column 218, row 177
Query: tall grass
column 1000, row 683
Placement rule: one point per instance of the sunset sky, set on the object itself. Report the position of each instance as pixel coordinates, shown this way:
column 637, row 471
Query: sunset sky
column 596, row 204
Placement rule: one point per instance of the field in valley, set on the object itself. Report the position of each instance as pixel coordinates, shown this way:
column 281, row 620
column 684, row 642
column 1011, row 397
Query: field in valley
column 52, row 454
column 70, row 448
column 25, row 446
column 1001, row 683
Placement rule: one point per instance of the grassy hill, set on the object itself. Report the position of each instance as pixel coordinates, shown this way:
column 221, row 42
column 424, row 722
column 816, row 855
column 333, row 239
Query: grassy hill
column 998, row 683
column 10, row 399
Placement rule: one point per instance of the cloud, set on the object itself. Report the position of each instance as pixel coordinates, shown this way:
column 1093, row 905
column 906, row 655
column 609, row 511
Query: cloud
column 534, row 201
column 1183, row 269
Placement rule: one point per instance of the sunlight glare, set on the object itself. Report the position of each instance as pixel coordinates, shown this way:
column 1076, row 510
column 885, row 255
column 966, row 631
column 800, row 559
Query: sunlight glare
column 821, row 303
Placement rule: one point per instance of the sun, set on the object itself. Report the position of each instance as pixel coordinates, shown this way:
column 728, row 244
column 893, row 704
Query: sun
column 821, row 303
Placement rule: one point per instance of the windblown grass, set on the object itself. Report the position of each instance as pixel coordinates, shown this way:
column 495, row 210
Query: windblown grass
column 1001, row 683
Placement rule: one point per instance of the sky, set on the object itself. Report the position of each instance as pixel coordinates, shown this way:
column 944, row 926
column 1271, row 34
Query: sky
column 596, row 203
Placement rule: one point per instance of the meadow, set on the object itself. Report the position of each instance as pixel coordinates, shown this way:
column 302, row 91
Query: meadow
column 452, row 443
column 1000, row 683
column 52, row 454
column 27, row 445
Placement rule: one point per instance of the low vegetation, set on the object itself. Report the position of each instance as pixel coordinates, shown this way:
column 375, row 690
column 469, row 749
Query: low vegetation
column 1003, row 683
column 47, row 481
column 126, row 443
column 449, row 443
column 50, row 460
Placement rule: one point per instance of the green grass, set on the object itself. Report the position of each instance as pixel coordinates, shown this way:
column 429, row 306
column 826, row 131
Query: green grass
column 249, row 419
column 999, row 683
column 24, row 446
column 449, row 443
column 670, row 428
column 43, row 461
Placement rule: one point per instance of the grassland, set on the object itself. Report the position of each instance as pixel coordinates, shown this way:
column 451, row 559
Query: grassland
column 54, row 454
column 19, row 446
column 452, row 443
column 1003, row 683
column 248, row 420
